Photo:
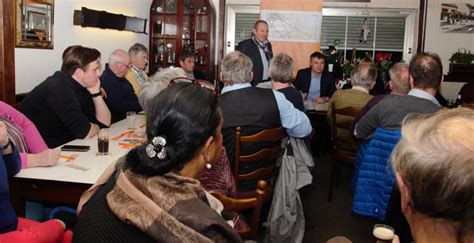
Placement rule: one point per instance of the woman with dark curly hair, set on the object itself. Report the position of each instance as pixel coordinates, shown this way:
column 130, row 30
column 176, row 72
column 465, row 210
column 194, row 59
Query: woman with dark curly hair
column 152, row 193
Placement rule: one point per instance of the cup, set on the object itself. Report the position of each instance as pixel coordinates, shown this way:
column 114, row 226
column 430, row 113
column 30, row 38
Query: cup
column 103, row 141
column 383, row 233
column 131, row 118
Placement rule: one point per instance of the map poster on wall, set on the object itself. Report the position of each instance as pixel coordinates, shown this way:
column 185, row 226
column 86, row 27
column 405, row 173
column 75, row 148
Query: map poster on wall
column 457, row 17
column 293, row 26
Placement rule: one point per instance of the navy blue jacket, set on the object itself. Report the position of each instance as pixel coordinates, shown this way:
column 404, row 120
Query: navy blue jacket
column 9, row 165
column 303, row 81
column 249, row 48
column 120, row 95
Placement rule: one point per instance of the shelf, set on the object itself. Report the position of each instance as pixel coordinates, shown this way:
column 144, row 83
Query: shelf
column 193, row 30
column 165, row 37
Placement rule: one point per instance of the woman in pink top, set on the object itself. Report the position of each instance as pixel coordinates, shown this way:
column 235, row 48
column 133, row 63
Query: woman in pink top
column 33, row 149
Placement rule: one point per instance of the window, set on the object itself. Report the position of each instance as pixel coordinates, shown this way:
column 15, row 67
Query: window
column 386, row 34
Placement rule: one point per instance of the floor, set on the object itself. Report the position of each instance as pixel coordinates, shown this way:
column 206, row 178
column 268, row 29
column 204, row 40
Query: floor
column 335, row 218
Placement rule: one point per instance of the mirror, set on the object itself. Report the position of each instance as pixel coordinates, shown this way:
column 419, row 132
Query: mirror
column 34, row 23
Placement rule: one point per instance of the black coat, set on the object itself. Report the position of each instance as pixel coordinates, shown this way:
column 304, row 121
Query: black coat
column 249, row 48
column 303, row 81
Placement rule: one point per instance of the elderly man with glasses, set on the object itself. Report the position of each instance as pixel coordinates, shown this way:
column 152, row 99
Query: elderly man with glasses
column 121, row 97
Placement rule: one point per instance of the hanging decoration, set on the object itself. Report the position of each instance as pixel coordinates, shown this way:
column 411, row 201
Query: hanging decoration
column 364, row 31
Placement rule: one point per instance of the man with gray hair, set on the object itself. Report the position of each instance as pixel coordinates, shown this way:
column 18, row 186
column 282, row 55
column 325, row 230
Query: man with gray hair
column 425, row 74
column 157, row 83
column 136, row 75
column 252, row 108
column 362, row 79
column 399, row 85
column 120, row 95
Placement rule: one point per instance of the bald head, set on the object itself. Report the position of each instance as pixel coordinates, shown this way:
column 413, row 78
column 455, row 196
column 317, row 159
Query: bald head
column 119, row 62
column 426, row 70
column 364, row 75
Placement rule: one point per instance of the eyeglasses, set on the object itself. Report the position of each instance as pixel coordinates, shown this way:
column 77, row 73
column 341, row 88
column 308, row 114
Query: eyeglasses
column 199, row 82
column 126, row 66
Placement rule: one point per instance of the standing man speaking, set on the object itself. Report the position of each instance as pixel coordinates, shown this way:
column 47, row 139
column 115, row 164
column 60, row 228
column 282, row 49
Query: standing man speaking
column 259, row 49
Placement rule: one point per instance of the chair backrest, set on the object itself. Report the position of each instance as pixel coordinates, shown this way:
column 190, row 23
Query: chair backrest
column 349, row 114
column 268, row 153
column 254, row 204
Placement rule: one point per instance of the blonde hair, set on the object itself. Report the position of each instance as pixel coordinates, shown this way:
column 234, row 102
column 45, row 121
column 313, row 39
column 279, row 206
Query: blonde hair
column 435, row 158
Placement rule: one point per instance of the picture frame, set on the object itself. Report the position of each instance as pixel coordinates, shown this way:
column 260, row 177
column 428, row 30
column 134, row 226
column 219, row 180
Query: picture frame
column 34, row 23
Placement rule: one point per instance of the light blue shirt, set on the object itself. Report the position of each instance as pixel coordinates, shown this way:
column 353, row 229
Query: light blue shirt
column 296, row 122
column 314, row 87
column 424, row 95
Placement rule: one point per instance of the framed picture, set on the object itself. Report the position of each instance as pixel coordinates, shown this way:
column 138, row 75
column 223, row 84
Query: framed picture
column 34, row 23
column 37, row 21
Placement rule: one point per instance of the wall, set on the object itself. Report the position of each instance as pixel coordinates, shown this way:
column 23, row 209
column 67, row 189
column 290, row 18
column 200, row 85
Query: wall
column 32, row 66
column 445, row 43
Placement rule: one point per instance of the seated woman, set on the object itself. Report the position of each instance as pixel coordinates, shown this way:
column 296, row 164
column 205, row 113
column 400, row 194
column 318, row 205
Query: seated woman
column 12, row 228
column 434, row 164
column 152, row 194
column 25, row 136
column 217, row 179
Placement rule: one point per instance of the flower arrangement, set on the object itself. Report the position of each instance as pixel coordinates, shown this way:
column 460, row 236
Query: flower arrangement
column 383, row 63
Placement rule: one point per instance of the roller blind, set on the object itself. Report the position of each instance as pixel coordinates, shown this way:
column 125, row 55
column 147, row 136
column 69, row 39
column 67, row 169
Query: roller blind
column 386, row 33
column 243, row 25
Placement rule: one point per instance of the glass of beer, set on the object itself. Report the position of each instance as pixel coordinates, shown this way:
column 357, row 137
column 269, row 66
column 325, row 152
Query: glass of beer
column 383, row 233
column 103, row 141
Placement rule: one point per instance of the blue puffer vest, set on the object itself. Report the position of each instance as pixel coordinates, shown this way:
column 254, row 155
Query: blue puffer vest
column 374, row 179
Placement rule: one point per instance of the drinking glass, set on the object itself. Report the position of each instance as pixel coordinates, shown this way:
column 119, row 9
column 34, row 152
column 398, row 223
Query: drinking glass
column 103, row 141
column 131, row 118
column 383, row 233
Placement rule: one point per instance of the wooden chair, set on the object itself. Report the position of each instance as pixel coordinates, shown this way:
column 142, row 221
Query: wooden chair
column 345, row 148
column 265, row 154
column 238, row 205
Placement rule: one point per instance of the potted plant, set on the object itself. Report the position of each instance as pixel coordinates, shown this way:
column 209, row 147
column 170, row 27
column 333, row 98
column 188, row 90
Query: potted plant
column 461, row 66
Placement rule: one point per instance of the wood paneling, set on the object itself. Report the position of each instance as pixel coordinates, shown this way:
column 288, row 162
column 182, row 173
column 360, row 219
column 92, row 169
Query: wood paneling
column 7, row 52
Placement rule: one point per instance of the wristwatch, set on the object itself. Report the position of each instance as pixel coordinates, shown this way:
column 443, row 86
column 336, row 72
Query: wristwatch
column 96, row 94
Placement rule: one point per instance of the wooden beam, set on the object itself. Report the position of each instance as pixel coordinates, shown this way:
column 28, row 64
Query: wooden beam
column 7, row 52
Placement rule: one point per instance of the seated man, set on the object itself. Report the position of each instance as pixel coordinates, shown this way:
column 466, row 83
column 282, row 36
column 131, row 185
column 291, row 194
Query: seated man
column 136, row 75
column 425, row 78
column 69, row 104
column 363, row 79
column 399, row 85
column 435, row 178
column 187, row 63
column 120, row 95
column 253, row 108
column 316, row 84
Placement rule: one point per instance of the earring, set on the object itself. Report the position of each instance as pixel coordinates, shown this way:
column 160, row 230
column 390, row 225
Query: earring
column 208, row 166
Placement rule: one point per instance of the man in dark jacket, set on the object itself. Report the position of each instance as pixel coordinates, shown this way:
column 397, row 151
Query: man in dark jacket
column 259, row 49
column 315, row 83
column 120, row 95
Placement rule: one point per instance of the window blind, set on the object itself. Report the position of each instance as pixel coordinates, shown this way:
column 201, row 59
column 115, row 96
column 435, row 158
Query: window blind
column 386, row 33
column 243, row 25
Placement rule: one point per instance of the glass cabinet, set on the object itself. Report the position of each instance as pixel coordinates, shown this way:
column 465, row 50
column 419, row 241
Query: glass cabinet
column 177, row 27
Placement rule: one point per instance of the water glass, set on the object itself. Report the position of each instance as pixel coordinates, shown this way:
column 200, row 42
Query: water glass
column 131, row 118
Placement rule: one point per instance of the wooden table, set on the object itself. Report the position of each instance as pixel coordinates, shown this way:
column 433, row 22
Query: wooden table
column 313, row 107
column 65, row 182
